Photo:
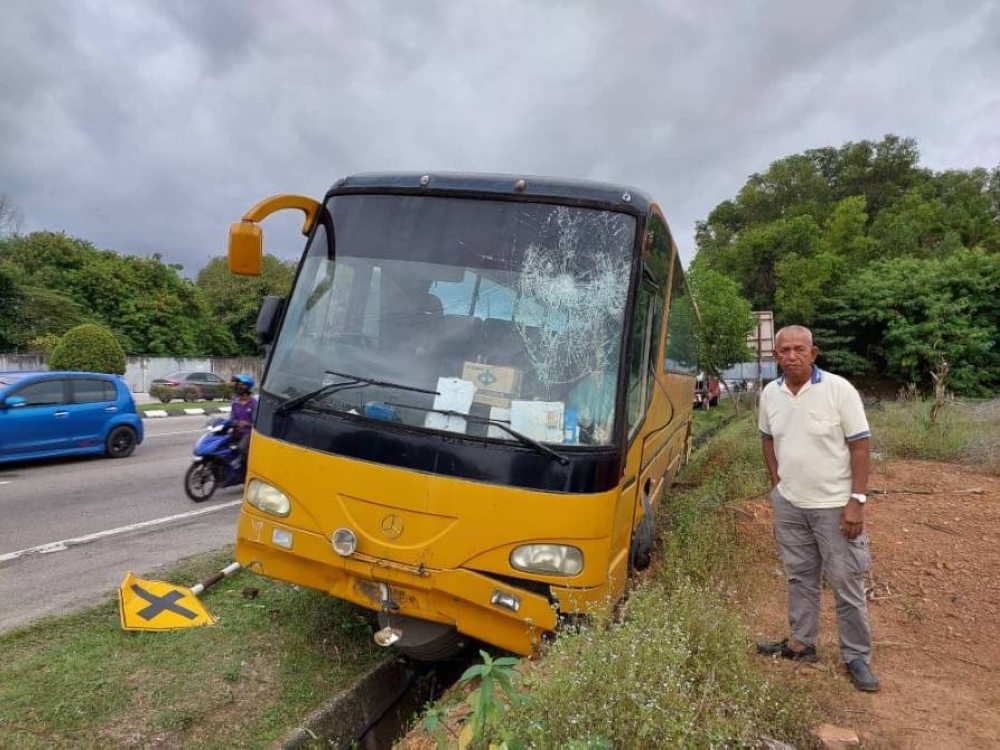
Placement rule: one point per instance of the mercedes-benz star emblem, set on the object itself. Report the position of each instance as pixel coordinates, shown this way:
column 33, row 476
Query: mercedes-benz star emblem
column 392, row 526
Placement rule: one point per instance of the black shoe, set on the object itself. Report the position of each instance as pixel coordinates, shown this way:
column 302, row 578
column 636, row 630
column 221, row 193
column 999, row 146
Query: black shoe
column 782, row 649
column 862, row 676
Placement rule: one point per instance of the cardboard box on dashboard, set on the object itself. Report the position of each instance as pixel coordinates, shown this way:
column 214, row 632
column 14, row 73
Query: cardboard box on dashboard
column 495, row 385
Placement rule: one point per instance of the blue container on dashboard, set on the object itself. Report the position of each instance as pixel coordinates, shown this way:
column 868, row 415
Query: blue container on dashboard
column 571, row 427
column 378, row 410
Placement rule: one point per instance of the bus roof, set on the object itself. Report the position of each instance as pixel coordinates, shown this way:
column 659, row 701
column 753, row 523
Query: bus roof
column 579, row 192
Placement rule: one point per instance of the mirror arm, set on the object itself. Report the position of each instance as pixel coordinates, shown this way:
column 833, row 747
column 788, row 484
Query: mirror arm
column 268, row 206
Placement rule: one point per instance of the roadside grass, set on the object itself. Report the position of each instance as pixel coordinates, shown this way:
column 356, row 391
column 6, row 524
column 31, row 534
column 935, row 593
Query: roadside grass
column 966, row 432
column 81, row 682
column 708, row 421
column 675, row 668
column 178, row 407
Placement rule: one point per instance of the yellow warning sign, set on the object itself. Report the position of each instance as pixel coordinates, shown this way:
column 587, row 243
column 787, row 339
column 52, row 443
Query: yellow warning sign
column 155, row 605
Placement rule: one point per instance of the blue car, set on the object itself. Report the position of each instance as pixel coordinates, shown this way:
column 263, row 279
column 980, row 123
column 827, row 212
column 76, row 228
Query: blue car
column 51, row 414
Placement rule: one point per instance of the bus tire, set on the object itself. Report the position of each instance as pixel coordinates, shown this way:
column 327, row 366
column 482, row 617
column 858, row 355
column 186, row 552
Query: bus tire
column 445, row 647
column 640, row 553
column 423, row 640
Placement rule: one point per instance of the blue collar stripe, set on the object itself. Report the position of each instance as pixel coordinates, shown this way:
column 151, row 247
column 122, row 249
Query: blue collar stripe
column 817, row 376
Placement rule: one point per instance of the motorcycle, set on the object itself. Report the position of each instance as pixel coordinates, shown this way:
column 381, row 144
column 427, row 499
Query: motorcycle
column 216, row 463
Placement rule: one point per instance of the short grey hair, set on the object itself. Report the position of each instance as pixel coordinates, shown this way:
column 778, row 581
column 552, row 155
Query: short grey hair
column 802, row 330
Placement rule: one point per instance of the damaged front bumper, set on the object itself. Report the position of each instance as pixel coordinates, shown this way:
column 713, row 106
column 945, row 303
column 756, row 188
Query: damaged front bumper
column 475, row 604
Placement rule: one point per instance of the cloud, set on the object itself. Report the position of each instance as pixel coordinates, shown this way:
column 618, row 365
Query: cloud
column 149, row 127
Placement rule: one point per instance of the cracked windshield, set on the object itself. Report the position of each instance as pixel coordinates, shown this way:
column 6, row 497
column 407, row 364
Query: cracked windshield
column 502, row 311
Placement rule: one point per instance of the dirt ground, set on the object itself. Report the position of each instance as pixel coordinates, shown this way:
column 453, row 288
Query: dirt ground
column 934, row 607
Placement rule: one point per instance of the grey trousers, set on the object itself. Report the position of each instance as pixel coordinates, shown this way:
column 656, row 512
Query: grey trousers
column 811, row 545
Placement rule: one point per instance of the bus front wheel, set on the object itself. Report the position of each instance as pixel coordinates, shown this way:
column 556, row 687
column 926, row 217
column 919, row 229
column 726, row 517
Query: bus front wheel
column 423, row 640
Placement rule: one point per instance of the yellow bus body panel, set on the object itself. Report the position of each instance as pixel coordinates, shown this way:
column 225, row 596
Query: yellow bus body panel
column 437, row 541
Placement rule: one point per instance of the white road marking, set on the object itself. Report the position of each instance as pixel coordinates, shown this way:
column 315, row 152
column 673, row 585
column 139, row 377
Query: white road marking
column 4, row 482
column 164, row 434
column 44, row 549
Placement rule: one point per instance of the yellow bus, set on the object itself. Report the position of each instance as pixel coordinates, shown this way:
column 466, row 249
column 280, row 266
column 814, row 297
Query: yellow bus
column 476, row 393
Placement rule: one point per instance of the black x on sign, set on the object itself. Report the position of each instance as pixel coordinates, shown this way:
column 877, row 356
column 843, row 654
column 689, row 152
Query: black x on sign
column 156, row 605
column 159, row 604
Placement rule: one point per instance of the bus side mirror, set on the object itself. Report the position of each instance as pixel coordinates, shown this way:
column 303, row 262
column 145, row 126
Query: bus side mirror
column 246, row 241
column 246, row 248
column 267, row 319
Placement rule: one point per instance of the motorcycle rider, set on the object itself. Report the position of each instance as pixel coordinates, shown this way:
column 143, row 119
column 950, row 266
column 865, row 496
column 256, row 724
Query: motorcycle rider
column 243, row 410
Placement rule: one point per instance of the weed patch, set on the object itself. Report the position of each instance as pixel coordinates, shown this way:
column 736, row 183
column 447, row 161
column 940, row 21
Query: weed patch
column 674, row 673
column 965, row 431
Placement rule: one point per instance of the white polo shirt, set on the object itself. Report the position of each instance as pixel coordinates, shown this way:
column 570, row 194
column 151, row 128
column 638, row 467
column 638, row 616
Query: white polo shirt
column 811, row 430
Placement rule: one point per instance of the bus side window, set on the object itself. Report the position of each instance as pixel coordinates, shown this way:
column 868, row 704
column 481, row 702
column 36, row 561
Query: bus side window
column 638, row 369
column 657, row 265
column 682, row 328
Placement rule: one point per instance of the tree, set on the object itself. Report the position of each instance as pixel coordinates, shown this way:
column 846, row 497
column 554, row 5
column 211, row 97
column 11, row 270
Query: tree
column 845, row 232
column 922, row 312
column 752, row 259
column 89, row 348
column 793, row 186
column 234, row 301
column 801, row 284
column 877, row 255
column 10, row 215
column 146, row 303
column 10, row 303
column 726, row 319
column 880, row 171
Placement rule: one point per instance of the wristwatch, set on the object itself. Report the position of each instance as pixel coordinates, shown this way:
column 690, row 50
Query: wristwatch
column 860, row 497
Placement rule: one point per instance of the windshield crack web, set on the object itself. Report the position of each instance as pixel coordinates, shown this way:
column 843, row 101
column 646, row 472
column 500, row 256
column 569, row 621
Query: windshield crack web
column 581, row 282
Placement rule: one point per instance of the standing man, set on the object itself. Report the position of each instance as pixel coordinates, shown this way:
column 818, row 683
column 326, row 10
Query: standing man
column 816, row 447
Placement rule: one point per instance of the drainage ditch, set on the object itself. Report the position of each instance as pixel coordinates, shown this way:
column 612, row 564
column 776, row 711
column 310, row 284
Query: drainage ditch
column 379, row 708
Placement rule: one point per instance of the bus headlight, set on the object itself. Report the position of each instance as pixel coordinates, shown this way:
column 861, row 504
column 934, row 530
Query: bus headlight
column 552, row 559
column 269, row 499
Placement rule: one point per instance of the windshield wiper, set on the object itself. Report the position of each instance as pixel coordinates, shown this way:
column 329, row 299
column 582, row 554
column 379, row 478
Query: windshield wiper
column 356, row 381
column 353, row 381
column 530, row 442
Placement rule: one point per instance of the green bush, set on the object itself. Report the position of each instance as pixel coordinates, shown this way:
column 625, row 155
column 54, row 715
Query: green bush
column 163, row 392
column 89, row 348
column 167, row 393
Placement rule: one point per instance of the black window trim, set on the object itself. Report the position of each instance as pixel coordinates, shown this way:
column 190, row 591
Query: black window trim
column 107, row 386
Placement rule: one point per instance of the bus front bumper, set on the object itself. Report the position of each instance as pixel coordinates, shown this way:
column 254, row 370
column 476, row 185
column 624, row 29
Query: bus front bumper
column 477, row 605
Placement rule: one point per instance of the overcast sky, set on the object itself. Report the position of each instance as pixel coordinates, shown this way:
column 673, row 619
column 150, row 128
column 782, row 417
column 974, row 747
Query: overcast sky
column 148, row 126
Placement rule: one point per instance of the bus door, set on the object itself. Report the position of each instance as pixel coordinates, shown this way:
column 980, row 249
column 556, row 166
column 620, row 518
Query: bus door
column 651, row 415
column 632, row 545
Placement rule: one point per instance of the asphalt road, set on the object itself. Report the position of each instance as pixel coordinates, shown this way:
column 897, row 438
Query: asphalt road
column 71, row 529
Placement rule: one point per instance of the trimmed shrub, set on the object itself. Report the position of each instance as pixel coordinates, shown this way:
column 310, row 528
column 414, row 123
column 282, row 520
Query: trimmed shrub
column 89, row 348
